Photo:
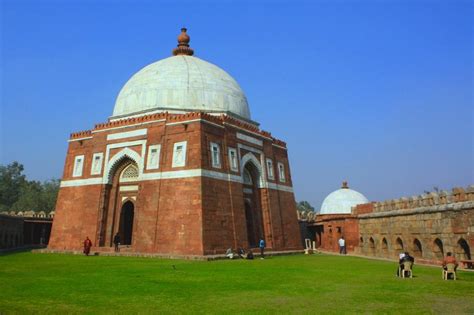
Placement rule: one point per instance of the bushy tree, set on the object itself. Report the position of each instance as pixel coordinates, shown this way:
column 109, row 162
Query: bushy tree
column 12, row 180
column 19, row 194
column 29, row 198
column 304, row 206
column 50, row 194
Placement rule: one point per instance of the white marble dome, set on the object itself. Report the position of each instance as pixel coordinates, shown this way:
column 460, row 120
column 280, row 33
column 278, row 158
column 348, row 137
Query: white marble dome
column 180, row 84
column 342, row 200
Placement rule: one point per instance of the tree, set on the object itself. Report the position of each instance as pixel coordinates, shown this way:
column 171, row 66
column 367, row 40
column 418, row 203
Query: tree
column 11, row 182
column 50, row 194
column 304, row 206
column 30, row 198
column 19, row 194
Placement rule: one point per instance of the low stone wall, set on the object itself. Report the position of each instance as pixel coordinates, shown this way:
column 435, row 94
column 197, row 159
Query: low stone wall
column 427, row 232
column 11, row 231
column 165, row 256
column 427, row 226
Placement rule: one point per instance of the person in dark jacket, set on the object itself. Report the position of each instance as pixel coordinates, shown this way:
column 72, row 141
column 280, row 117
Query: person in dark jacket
column 117, row 242
column 402, row 260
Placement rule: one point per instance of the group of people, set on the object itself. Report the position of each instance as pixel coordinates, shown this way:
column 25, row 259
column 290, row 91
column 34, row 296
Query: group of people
column 406, row 258
column 241, row 252
column 246, row 253
column 88, row 244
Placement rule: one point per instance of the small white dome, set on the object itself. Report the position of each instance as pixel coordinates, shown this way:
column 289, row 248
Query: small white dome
column 342, row 200
column 181, row 84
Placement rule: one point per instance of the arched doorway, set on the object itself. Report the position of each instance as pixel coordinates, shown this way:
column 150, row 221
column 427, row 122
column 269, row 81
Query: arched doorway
column 398, row 248
column 438, row 249
column 126, row 223
column 120, row 197
column 252, row 203
column 417, row 248
column 250, row 223
column 463, row 250
column 384, row 247
column 372, row 246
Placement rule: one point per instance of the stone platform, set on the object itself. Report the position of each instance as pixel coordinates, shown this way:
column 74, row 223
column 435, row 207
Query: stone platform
column 109, row 251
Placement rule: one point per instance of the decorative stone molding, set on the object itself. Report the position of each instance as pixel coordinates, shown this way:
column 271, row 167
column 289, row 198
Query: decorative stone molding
column 29, row 214
column 428, row 199
column 249, row 157
column 119, row 157
column 166, row 117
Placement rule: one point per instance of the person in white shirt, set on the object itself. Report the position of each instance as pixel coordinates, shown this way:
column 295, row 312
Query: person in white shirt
column 342, row 245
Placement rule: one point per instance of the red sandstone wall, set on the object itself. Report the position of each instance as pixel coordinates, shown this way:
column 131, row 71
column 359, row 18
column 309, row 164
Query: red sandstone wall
column 178, row 218
column 185, row 215
column 364, row 208
column 334, row 227
column 76, row 217
column 223, row 216
column 286, row 233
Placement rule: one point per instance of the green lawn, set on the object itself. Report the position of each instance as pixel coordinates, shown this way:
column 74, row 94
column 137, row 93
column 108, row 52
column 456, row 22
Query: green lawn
column 49, row 283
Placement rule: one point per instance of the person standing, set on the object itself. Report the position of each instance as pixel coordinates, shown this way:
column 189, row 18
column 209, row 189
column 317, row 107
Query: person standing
column 261, row 245
column 117, row 242
column 87, row 246
column 342, row 245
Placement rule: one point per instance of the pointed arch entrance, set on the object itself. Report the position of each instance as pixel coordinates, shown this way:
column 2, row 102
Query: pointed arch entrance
column 120, row 195
column 126, row 222
column 252, row 202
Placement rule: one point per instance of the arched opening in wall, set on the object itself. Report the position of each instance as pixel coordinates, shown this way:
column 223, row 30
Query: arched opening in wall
column 126, row 223
column 463, row 250
column 252, row 203
column 399, row 246
column 118, row 215
column 371, row 246
column 384, row 247
column 362, row 245
column 417, row 248
column 438, row 249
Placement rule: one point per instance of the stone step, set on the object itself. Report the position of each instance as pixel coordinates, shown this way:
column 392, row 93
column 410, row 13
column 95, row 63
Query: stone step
column 123, row 248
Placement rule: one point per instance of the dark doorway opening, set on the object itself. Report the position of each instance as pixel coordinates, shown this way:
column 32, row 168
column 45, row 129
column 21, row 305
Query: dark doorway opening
column 126, row 223
column 251, row 232
column 253, row 208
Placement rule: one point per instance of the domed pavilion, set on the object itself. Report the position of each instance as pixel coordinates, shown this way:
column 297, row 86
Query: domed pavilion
column 342, row 200
column 179, row 168
column 336, row 219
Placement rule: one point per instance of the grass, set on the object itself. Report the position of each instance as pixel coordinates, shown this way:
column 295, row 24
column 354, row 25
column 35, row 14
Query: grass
column 53, row 283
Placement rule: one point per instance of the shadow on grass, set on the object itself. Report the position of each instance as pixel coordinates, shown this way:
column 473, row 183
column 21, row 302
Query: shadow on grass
column 23, row 249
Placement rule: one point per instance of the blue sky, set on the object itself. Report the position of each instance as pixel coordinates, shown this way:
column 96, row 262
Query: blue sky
column 379, row 93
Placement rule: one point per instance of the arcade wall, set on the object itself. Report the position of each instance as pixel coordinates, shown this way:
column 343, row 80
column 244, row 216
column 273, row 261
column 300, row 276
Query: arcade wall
column 427, row 226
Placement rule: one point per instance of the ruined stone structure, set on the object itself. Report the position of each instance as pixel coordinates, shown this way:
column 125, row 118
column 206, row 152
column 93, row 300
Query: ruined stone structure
column 24, row 228
column 427, row 226
column 180, row 168
column 11, row 231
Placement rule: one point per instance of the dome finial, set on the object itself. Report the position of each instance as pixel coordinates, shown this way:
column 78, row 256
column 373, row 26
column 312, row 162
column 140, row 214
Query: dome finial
column 183, row 44
column 344, row 185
